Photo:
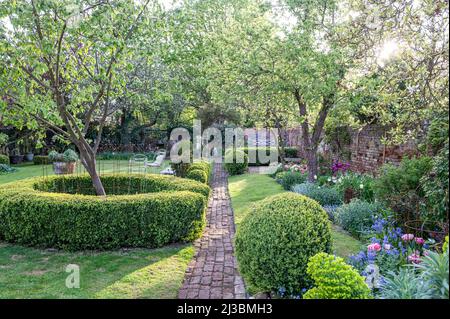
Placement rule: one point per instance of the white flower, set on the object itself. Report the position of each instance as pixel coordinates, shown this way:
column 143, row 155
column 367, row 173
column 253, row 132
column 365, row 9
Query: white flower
column 329, row 179
column 315, row 176
column 361, row 186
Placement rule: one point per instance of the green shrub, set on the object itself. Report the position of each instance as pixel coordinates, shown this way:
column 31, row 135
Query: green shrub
column 4, row 159
column 400, row 188
column 276, row 239
column 234, row 168
column 436, row 187
column 323, row 195
column 360, row 186
column 141, row 211
column 41, row 160
column 290, row 152
column 357, row 216
column 288, row 179
column 334, row 279
column 204, row 166
column 197, row 175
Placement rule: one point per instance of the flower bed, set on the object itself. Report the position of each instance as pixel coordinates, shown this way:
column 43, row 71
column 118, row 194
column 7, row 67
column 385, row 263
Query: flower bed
column 62, row 212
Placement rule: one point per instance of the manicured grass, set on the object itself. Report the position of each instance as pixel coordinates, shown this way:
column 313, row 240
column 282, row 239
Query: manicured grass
column 28, row 170
column 138, row 273
column 250, row 188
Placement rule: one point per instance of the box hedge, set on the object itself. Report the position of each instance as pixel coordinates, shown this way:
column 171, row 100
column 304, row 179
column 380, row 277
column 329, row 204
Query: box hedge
column 60, row 212
column 276, row 239
column 41, row 160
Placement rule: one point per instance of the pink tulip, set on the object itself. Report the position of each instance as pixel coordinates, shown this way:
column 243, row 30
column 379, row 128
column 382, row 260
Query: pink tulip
column 374, row 247
column 407, row 237
column 414, row 258
column 420, row 240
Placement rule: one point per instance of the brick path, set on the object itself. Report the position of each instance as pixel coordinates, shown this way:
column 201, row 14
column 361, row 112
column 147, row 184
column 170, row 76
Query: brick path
column 212, row 272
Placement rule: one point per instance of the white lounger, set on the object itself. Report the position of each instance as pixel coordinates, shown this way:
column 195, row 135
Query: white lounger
column 158, row 161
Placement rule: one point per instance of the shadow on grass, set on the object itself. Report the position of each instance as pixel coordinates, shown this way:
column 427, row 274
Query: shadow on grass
column 135, row 273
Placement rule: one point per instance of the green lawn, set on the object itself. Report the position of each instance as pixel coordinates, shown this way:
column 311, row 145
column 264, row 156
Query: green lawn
column 27, row 170
column 138, row 273
column 250, row 188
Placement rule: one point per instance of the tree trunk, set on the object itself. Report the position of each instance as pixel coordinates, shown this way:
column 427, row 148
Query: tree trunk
column 90, row 166
column 313, row 164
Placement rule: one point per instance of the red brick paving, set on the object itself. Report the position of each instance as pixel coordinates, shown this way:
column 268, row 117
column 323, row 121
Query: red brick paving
column 212, row 273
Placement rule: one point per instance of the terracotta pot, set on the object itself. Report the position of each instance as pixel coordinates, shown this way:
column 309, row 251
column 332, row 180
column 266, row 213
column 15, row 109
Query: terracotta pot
column 61, row 168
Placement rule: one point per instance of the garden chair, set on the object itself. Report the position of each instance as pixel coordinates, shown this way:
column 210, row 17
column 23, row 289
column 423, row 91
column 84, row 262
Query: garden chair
column 158, row 161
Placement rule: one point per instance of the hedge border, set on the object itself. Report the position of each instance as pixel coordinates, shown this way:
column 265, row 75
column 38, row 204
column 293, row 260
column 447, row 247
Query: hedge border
column 175, row 212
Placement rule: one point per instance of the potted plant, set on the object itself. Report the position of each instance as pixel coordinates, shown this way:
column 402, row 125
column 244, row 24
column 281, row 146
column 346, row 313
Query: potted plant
column 64, row 163
column 15, row 157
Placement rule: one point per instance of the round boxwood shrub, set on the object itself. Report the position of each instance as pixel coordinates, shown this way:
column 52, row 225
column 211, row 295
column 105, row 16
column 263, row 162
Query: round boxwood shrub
column 203, row 166
column 231, row 165
column 4, row 159
column 334, row 279
column 276, row 239
column 197, row 175
column 63, row 212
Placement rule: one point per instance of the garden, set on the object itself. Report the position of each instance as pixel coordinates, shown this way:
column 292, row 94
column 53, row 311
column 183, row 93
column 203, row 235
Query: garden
column 224, row 149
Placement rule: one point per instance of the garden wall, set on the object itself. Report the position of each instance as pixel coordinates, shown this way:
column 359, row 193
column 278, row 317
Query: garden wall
column 368, row 153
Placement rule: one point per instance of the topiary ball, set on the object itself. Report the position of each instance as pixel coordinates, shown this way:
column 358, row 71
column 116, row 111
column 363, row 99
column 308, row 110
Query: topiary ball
column 232, row 166
column 197, row 175
column 277, row 238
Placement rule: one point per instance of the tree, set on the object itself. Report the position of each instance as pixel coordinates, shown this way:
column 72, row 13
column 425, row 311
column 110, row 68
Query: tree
column 65, row 60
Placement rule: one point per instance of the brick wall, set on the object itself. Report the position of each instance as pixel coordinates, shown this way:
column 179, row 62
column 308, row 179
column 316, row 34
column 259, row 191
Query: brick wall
column 368, row 153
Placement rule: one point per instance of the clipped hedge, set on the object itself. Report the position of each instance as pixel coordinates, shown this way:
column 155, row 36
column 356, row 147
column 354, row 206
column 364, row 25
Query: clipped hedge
column 41, row 160
column 197, row 175
column 4, row 159
column 231, row 165
column 199, row 171
column 60, row 212
column 276, row 239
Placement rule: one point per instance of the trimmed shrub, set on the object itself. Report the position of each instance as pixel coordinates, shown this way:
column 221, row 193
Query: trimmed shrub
column 59, row 212
column 204, row 166
column 323, row 195
column 276, row 239
column 357, row 216
column 4, row 159
column 41, row 160
column 334, row 279
column 197, row 175
column 232, row 167
column 288, row 179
